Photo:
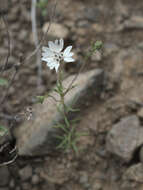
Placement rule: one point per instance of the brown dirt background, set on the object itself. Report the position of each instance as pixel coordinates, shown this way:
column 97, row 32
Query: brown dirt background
column 121, row 58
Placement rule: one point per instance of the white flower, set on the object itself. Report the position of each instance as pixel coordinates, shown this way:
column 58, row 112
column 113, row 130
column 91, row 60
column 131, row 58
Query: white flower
column 53, row 54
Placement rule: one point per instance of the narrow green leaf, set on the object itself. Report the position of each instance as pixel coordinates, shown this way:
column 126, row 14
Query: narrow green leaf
column 62, row 144
column 75, row 121
column 72, row 109
column 75, row 147
column 62, row 127
column 82, row 134
column 59, row 137
column 67, row 122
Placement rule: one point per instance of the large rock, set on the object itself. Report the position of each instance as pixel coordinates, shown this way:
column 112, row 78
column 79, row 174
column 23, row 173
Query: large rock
column 125, row 137
column 37, row 136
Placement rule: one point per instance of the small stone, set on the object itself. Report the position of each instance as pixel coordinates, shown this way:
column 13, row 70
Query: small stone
column 81, row 32
column 97, row 27
column 56, row 30
column 18, row 188
column 83, row 178
column 125, row 137
column 23, row 35
column 25, row 173
column 140, row 45
column 12, row 183
column 92, row 14
column 59, row 176
column 83, row 23
column 4, row 176
column 110, row 48
column 26, row 186
column 35, row 179
column 69, row 23
column 136, row 22
column 96, row 56
column 134, row 173
column 97, row 185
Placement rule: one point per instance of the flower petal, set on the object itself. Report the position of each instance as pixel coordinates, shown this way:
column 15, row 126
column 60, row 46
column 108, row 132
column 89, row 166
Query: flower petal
column 44, row 48
column 67, row 51
column 56, row 42
column 50, row 65
column 47, row 59
column 52, row 46
column 48, row 54
column 61, row 44
column 53, row 64
column 68, row 59
column 57, row 66
column 71, row 54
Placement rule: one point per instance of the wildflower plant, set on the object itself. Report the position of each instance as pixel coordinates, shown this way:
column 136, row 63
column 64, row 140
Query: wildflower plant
column 55, row 55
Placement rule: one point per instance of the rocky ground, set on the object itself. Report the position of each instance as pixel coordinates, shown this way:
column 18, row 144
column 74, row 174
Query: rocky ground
column 112, row 155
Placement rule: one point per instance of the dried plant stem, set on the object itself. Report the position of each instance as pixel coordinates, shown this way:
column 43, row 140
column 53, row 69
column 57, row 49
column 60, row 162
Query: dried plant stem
column 36, row 41
column 8, row 39
column 81, row 68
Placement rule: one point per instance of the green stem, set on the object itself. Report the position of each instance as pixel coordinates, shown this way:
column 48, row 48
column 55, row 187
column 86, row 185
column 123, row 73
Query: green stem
column 62, row 96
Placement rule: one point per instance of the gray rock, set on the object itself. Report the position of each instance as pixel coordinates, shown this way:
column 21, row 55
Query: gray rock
column 25, row 173
column 38, row 136
column 134, row 173
column 125, row 137
column 4, row 176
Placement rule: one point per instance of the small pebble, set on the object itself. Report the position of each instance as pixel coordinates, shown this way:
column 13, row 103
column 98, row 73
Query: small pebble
column 35, row 179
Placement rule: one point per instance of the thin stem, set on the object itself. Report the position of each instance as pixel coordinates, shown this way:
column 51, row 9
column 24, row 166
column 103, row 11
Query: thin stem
column 81, row 68
column 36, row 41
column 62, row 96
